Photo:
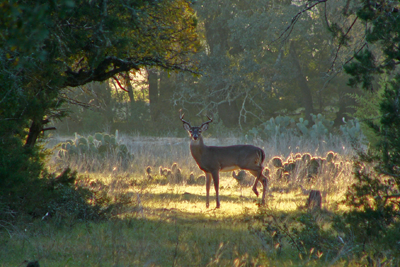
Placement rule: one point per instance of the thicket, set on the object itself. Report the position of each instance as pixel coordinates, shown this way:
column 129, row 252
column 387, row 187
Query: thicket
column 375, row 197
column 371, row 225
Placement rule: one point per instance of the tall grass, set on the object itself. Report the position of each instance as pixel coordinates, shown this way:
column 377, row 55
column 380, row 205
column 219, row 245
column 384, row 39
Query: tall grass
column 155, row 152
column 155, row 223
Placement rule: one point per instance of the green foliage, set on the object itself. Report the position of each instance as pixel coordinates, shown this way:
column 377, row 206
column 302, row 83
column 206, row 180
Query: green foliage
column 18, row 166
column 51, row 196
column 361, row 70
column 47, row 46
column 368, row 110
column 308, row 234
column 373, row 211
column 383, row 29
column 374, row 197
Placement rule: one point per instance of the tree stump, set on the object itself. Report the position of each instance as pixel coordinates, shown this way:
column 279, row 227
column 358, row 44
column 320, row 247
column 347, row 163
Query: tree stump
column 314, row 200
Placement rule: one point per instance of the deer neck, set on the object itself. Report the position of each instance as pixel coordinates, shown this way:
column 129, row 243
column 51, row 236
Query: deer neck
column 197, row 148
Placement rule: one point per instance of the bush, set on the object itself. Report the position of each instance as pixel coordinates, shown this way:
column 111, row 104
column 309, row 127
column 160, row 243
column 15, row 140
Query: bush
column 52, row 196
column 374, row 198
column 307, row 233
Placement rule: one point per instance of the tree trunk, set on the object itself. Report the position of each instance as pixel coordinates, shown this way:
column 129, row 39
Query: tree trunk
column 314, row 201
column 129, row 87
column 35, row 130
column 305, row 90
column 166, row 89
column 153, row 93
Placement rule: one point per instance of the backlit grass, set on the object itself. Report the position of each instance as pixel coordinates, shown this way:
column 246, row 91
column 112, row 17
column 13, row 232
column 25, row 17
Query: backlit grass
column 156, row 222
column 161, row 225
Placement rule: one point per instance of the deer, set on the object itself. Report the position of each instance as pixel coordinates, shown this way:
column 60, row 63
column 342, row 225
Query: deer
column 215, row 159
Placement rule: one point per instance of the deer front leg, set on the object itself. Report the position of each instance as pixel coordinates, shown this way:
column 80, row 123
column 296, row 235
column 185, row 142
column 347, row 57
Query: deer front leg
column 215, row 176
column 208, row 183
column 255, row 187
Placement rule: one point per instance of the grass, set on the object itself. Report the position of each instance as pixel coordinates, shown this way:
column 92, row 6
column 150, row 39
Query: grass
column 153, row 223
column 164, row 225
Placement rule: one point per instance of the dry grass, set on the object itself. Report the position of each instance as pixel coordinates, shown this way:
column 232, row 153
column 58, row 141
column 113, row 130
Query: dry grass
column 160, row 225
column 156, row 223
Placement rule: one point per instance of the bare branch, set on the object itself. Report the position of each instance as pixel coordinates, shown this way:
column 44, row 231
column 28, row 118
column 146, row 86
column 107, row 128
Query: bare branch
column 295, row 19
column 103, row 72
column 358, row 51
column 341, row 43
column 49, row 129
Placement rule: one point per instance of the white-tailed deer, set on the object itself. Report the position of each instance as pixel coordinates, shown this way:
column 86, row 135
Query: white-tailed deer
column 214, row 159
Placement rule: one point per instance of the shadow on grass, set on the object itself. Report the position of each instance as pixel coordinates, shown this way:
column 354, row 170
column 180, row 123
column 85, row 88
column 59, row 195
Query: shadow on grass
column 197, row 197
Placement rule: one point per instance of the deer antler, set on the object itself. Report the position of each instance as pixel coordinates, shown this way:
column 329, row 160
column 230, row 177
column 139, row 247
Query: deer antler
column 181, row 117
column 207, row 122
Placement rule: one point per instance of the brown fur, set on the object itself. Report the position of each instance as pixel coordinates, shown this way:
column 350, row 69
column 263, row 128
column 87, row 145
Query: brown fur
column 213, row 159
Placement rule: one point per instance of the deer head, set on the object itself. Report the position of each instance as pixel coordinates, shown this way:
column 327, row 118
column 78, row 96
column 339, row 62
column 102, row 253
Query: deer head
column 194, row 132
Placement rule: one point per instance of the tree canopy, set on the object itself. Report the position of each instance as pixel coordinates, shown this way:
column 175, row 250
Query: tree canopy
column 46, row 46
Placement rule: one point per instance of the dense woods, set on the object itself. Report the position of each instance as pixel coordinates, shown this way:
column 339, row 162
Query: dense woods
column 312, row 69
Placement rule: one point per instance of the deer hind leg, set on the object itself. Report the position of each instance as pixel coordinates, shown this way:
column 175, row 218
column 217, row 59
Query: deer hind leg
column 263, row 180
column 208, row 183
column 215, row 176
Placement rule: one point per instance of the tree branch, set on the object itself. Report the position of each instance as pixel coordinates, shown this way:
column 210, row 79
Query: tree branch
column 296, row 17
column 111, row 66
column 341, row 43
column 49, row 129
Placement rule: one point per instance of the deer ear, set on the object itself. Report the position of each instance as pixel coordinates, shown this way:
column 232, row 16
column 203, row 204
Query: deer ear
column 204, row 127
column 186, row 127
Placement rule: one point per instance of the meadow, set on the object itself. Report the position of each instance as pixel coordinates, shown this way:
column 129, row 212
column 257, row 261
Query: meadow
column 156, row 212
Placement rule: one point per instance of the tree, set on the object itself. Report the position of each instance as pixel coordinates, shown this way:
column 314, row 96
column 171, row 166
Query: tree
column 375, row 196
column 383, row 29
column 86, row 41
column 252, row 73
column 47, row 46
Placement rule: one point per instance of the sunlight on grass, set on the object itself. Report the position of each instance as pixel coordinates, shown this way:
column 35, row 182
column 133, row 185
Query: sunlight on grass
column 167, row 225
column 158, row 220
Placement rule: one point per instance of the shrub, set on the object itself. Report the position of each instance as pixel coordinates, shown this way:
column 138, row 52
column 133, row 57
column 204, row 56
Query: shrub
column 305, row 232
column 52, row 196
column 374, row 198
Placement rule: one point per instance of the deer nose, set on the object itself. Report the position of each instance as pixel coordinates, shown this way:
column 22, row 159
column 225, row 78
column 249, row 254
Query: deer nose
column 195, row 136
